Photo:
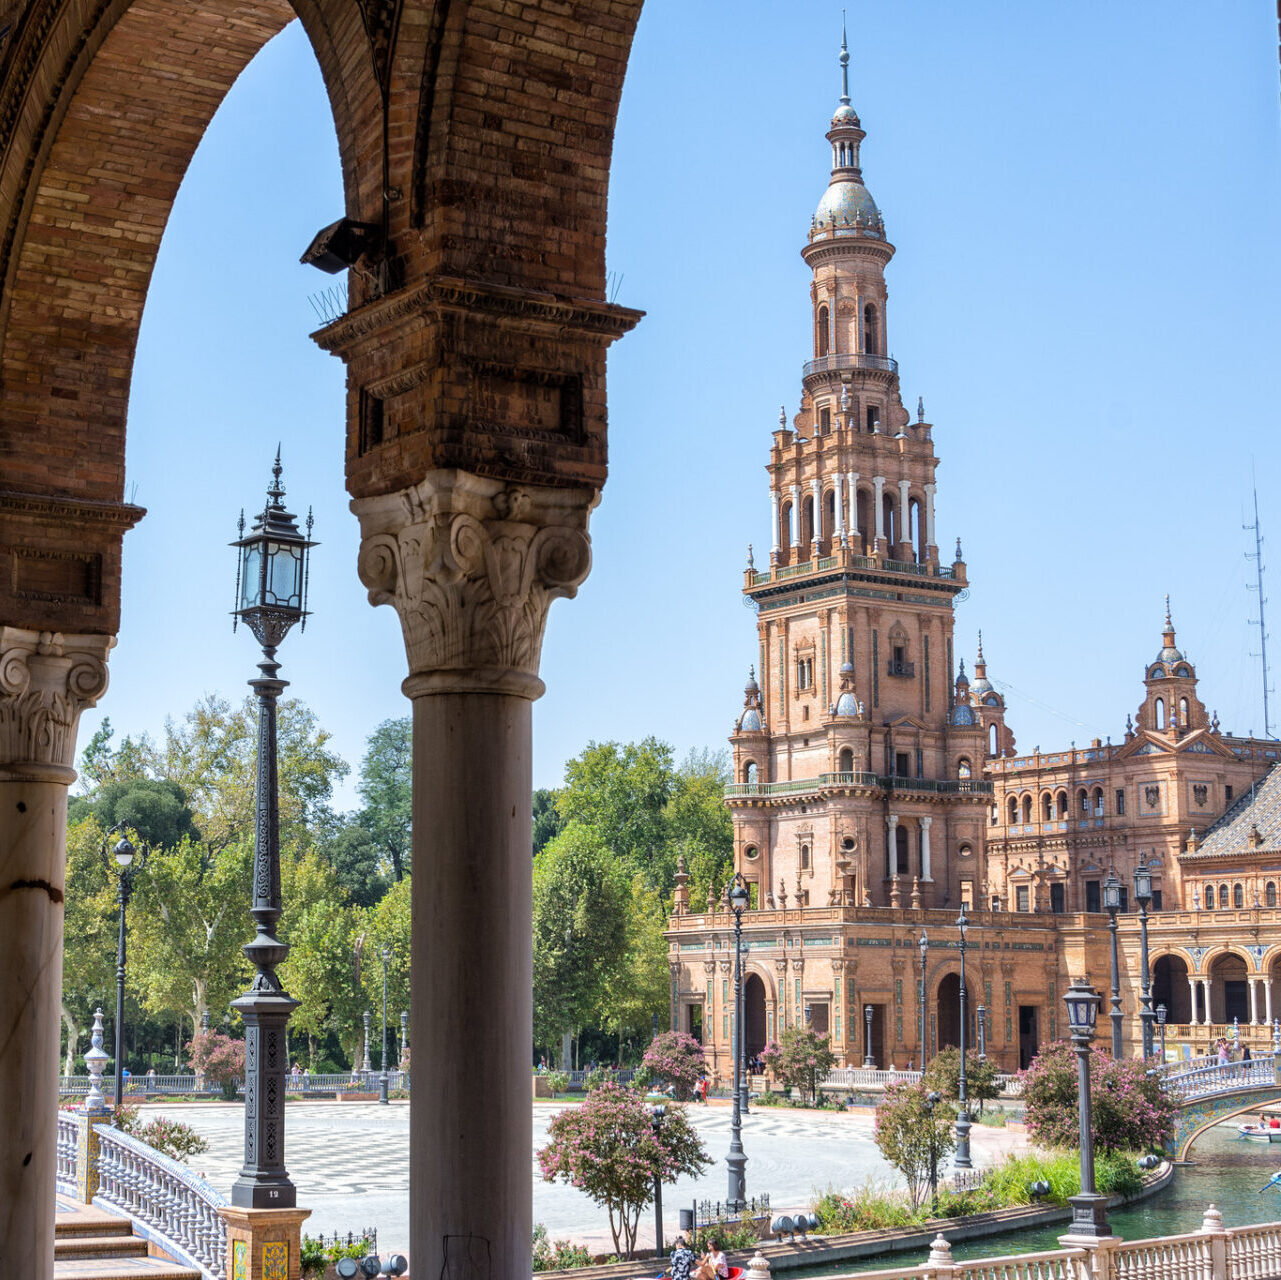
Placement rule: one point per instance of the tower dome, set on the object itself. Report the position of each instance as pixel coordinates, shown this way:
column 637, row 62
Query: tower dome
column 847, row 703
column 1169, row 652
column 751, row 721
column 981, row 683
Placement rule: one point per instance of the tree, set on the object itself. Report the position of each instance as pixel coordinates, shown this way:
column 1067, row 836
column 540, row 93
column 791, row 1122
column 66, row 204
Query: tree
column 547, row 820
column 219, row 1059
column 388, row 925
column 580, row 929
column 636, row 987
column 356, row 859
column 610, row 1149
column 155, row 808
column 1130, row 1109
column 911, row 1136
column 677, row 1060
column 801, row 1059
column 981, row 1084
column 386, row 776
column 620, row 792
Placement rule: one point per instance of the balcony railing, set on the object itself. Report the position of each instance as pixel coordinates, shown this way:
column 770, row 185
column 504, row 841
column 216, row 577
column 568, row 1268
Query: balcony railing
column 844, row 559
column 850, row 360
column 827, row 781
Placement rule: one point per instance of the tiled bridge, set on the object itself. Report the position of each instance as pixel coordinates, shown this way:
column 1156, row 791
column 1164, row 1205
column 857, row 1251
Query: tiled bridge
column 1213, row 1092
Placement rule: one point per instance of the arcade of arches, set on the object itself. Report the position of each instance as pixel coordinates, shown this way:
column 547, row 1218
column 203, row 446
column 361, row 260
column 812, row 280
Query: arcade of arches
column 475, row 140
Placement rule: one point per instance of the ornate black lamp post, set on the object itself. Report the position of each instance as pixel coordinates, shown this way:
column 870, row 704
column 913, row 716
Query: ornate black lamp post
column 656, row 1115
column 737, row 1160
column 271, row 595
column 867, row 1036
column 1143, row 895
column 1160, row 1021
column 981, row 1014
column 124, row 854
column 1089, row 1209
column 384, row 1079
column 923, row 943
column 962, row 1160
column 1112, row 904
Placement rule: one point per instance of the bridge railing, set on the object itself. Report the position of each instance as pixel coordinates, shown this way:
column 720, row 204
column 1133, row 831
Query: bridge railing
column 1223, row 1077
column 841, row 1078
column 68, row 1153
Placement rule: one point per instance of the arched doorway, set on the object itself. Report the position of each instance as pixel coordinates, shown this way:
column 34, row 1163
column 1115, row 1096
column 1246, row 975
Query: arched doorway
column 948, row 1013
column 1170, row 988
column 754, row 1037
column 1229, row 991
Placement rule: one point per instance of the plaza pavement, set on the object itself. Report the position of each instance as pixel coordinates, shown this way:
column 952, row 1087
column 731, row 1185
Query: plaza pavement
column 350, row 1162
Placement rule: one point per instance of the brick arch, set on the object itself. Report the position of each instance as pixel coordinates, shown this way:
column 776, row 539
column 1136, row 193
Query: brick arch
column 1217, row 953
column 89, row 185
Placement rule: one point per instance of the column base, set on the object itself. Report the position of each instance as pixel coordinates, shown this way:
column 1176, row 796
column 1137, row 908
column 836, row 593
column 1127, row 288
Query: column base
column 264, row 1244
column 1089, row 1221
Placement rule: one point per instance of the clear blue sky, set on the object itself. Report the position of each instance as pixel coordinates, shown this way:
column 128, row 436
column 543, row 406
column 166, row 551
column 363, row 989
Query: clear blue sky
column 1086, row 202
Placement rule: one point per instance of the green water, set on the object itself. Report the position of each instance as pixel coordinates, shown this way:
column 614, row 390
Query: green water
column 1228, row 1173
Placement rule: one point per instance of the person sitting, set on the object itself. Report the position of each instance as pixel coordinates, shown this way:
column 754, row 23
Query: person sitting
column 682, row 1261
column 714, row 1261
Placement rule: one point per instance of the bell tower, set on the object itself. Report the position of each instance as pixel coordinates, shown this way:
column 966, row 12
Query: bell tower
column 859, row 720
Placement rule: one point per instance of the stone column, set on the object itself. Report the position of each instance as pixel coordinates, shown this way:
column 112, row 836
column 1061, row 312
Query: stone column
column 904, row 515
column 1192, row 991
column 1267, row 1000
column 773, row 521
column 796, row 515
column 891, row 845
column 851, row 483
column 46, row 680
column 839, row 505
column 878, row 516
column 816, row 513
column 1254, row 1002
column 927, row 874
column 1205, row 986
column 471, row 565
column 929, row 517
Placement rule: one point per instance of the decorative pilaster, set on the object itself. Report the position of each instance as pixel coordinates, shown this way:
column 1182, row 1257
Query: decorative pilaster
column 46, row 680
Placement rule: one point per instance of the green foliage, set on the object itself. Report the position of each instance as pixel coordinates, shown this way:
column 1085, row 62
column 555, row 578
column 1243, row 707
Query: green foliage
column 580, row 906
column 801, row 1059
column 557, row 1255
column 389, row 925
column 912, row 1137
column 558, row 1082
column 675, row 1059
column 944, row 1072
column 738, row 1234
column 547, row 821
column 171, row 1138
column 386, row 777
column 960, row 1204
column 595, row 1078
column 356, row 860
column 1115, row 1173
column 1130, row 1109
column 610, row 1149
column 155, row 808
column 871, row 1208
column 636, row 985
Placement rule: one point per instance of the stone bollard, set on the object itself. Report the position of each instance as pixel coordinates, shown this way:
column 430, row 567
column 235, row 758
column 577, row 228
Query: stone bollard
column 940, row 1259
column 758, row 1268
column 95, row 1111
column 1212, row 1226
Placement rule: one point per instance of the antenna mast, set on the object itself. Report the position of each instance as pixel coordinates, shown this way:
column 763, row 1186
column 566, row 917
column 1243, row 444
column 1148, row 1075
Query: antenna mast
column 1261, row 622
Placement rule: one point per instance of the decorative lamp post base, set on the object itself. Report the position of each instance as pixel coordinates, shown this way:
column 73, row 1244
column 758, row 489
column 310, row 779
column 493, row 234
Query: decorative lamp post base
column 264, row 1244
column 1089, row 1217
column 737, row 1162
column 963, row 1126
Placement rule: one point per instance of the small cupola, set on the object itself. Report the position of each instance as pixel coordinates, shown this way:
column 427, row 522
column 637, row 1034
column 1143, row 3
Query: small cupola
column 753, row 719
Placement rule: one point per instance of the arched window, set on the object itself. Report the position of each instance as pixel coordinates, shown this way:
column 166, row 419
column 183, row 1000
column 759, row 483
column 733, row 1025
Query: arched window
column 1238, row 896
column 824, row 329
column 785, row 525
column 1209, row 897
column 846, row 762
column 829, row 514
column 1223, row 895
column 993, row 745
column 1027, row 809
column 901, row 849
column 1061, row 804
column 1183, row 712
column 749, row 773
column 871, row 331
column 889, row 520
column 805, row 857
column 963, row 769
column 1160, row 713
column 1098, row 802
column 1047, row 807
column 1270, row 894
column 1083, row 802
column 1013, row 806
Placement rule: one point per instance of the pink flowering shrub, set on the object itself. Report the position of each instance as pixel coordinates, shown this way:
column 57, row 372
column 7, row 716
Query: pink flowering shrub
column 801, row 1059
column 220, row 1059
column 1130, row 1110
column 610, row 1148
column 677, row 1059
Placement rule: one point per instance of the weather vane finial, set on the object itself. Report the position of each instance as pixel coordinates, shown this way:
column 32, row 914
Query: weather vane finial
column 845, row 65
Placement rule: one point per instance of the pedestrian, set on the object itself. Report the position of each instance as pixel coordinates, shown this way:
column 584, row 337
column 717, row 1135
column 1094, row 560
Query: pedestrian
column 1245, row 1053
column 682, row 1260
column 1224, row 1056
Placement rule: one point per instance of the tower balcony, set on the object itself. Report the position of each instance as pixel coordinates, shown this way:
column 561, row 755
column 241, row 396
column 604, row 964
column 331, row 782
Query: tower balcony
column 858, row 781
column 838, row 363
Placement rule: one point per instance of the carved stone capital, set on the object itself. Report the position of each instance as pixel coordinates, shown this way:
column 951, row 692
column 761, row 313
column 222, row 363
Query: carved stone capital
column 46, row 680
column 472, row 564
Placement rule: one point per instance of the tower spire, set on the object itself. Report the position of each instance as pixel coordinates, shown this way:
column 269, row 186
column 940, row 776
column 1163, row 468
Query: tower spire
column 845, row 65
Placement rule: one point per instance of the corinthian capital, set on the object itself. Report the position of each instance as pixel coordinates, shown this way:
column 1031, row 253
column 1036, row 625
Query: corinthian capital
column 46, row 680
column 471, row 565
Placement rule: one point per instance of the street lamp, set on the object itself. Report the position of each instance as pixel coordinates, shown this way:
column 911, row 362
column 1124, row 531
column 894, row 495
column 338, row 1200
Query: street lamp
column 1089, row 1209
column 981, row 1014
column 962, row 1160
column 1143, row 895
column 656, row 1115
column 271, row 595
column 1160, row 1020
column 383, row 1079
column 737, row 1160
column 931, row 1101
column 867, row 1037
column 923, row 943
column 124, row 854
column 1112, row 904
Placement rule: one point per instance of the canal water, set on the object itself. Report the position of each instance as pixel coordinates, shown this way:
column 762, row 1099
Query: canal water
column 1228, row 1173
